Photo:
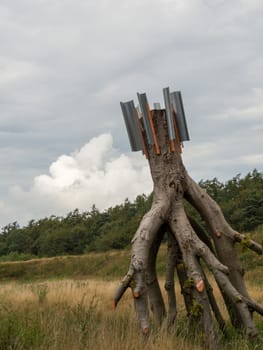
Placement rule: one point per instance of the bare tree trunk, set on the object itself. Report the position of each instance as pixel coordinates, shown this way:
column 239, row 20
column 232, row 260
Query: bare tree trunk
column 188, row 245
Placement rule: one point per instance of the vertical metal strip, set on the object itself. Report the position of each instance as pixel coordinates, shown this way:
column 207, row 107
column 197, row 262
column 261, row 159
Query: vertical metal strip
column 135, row 130
column 169, row 118
column 146, row 123
column 183, row 114
column 177, row 103
column 127, row 124
column 131, row 125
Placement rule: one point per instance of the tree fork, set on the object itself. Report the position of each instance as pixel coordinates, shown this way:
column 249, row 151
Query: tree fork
column 185, row 241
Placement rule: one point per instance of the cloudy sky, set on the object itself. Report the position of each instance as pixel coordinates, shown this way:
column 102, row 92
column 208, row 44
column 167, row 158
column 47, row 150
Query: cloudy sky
column 64, row 67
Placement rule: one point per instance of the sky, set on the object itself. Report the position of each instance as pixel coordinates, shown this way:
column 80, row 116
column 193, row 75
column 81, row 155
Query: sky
column 64, row 68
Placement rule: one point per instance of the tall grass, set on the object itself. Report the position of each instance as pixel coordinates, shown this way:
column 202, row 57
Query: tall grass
column 65, row 303
column 77, row 314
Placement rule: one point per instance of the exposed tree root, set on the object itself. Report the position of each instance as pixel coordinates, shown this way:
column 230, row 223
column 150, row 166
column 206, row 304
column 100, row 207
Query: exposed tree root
column 153, row 288
column 169, row 280
column 189, row 249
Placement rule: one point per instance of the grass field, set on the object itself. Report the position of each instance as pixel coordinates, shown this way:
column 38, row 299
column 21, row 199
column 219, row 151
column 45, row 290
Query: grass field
column 77, row 314
column 70, row 314
column 65, row 303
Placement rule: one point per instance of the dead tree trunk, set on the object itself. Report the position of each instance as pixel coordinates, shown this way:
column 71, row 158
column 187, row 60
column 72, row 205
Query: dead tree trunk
column 187, row 247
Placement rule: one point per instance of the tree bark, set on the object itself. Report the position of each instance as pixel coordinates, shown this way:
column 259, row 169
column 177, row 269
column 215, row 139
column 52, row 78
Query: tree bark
column 169, row 279
column 154, row 292
column 188, row 245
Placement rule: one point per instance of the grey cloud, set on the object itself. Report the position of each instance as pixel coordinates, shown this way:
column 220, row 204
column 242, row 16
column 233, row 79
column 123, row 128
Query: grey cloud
column 65, row 65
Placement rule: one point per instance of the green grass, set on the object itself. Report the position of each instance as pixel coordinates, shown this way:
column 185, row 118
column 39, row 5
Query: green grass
column 113, row 264
column 101, row 265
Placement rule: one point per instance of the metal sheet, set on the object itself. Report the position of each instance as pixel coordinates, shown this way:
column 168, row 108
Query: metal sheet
column 127, row 124
column 128, row 111
column 143, row 106
column 169, row 117
column 177, row 103
column 132, row 112
column 157, row 106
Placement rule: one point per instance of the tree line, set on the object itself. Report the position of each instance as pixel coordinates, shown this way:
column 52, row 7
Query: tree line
column 240, row 198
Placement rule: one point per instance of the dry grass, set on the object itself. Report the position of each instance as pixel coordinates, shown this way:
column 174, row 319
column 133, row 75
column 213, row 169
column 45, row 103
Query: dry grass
column 83, row 317
column 62, row 291
column 77, row 314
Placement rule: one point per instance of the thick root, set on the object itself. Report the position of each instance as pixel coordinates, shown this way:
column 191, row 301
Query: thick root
column 154, row 292
column 192, row 247
column 187, row 240
column 142, row 276
column 214, row 306
column 224, row 238
column 169, row 280
column 214, row 217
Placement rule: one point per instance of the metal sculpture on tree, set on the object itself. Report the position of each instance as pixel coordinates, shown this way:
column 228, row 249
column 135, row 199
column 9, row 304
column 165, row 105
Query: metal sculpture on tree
column 159, row 133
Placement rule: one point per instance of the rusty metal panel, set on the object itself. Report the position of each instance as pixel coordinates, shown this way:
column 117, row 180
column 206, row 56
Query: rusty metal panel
column 146, row 122
column 169, row 117
column 177, row 103
column 129, row 114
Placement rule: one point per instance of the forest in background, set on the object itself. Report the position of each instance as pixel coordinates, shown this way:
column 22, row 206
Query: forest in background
column 240, row 198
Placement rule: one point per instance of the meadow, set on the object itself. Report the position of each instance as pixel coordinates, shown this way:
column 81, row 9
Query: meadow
column 45, row 306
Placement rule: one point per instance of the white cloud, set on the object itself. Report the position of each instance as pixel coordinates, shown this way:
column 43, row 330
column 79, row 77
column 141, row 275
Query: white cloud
column 96, row 174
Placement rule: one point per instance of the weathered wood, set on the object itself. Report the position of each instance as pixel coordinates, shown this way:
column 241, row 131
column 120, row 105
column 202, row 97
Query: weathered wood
column 169, row 280
column 154, row 292
column 224, row 244
column 188, row 244
column 214, row 306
